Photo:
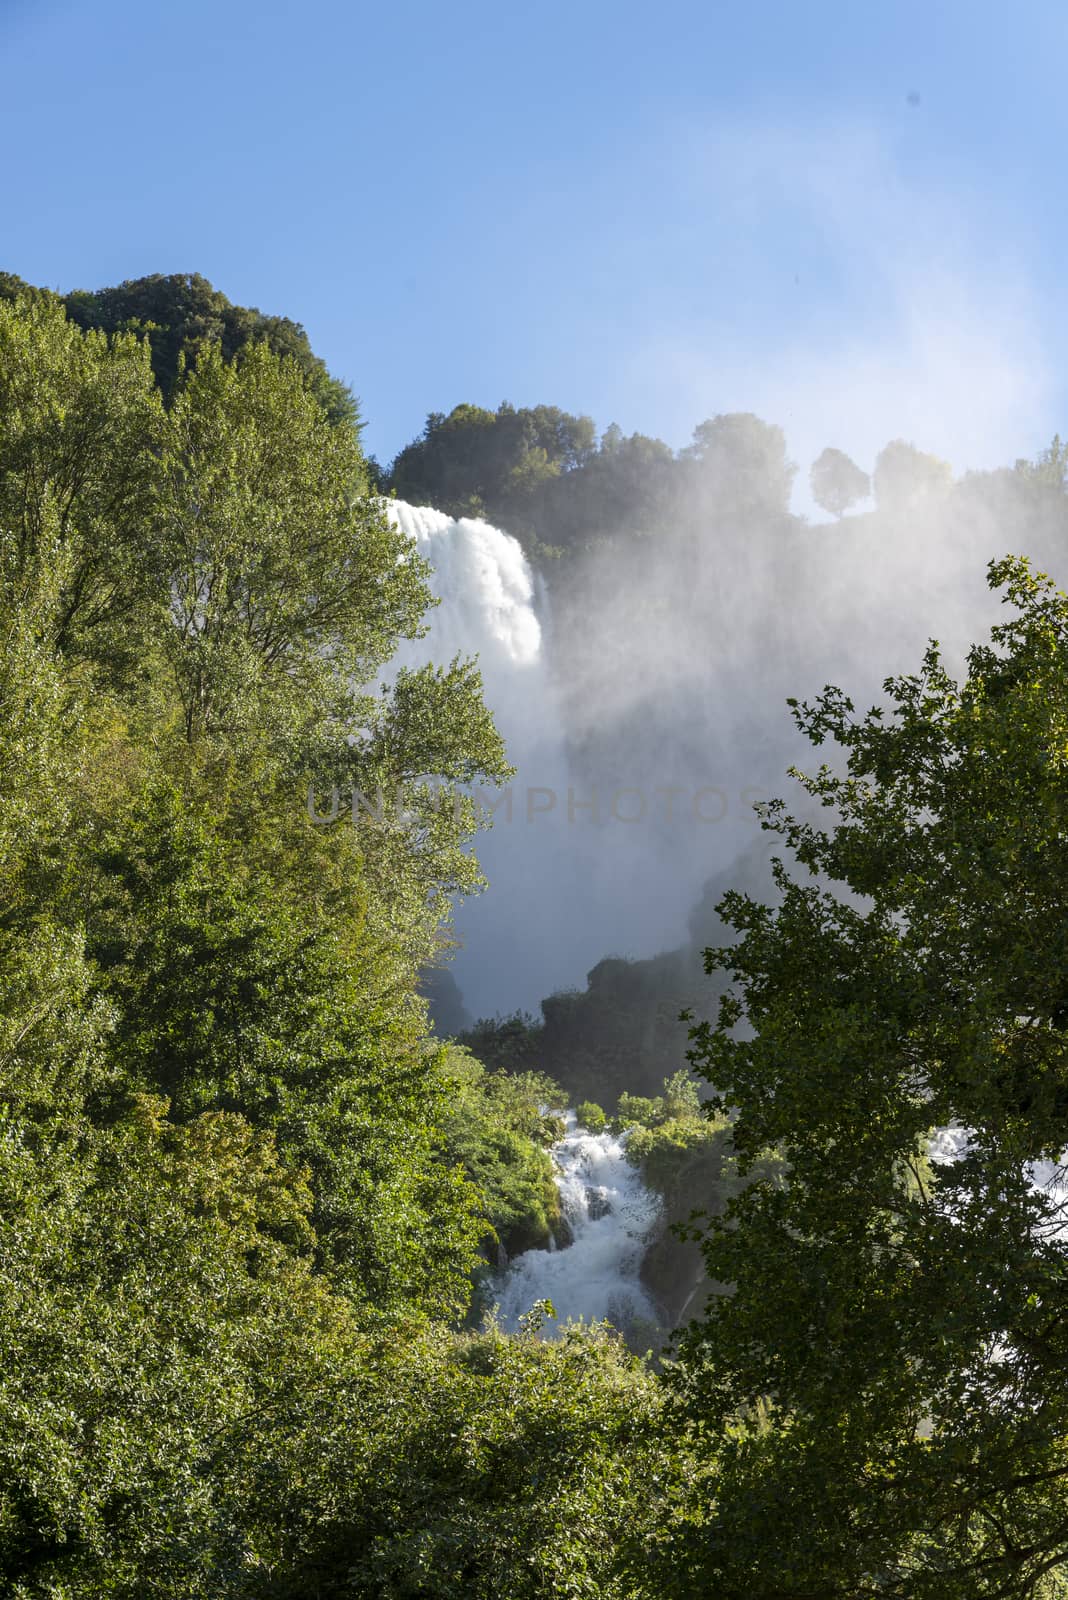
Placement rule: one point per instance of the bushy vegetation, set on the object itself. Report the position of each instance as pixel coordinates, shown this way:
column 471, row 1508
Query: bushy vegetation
column 500, row 1126
column 904, row 1322
column 180, row 316
column 590, row 1115
column 481, row 1466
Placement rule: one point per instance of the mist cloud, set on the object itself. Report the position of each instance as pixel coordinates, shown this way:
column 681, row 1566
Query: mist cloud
column 933, row 331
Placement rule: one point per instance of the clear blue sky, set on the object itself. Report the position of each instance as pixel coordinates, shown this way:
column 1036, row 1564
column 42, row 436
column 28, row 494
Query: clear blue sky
column 849, row 217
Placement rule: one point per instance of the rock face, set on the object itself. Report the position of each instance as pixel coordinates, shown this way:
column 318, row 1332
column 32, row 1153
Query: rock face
column 563, row 1233
column 673, row 1272
column 598, row 1205
column 447, row 1010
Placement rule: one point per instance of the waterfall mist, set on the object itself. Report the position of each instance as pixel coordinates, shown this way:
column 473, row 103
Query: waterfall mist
column 642, row 700
column 566, row 886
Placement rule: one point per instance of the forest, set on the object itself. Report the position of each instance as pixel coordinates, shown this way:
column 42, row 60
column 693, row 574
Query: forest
column 257, row 1167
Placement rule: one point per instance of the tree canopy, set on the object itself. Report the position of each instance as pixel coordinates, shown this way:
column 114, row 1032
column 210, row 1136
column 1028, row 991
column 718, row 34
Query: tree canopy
column 837, row 482
column 235, row 1166
column 886, row 1374
column 180, row 314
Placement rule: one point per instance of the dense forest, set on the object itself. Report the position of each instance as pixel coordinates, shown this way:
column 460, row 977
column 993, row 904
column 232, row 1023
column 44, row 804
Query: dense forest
column 252, row 1198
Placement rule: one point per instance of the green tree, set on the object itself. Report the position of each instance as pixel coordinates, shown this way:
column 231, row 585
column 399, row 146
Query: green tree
column 496, row 1124
column 905, row 477
column 1050, row 467
column 236, row 1178
column 289, row 589
column 181, row 315
column 478, row 1466
column 156, row 1287
column 590, row 1115
column 231, row 993
column 287, row 582
column 80, row 437
column 739, row 464
column 837, row 482
column 475, row 462
column 884, row 1382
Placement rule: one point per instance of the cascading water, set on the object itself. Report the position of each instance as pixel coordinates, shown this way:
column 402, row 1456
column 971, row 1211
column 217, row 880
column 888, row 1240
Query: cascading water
column 488, row 609
column 558, row 895
column 610, row 1215
column 562, row 885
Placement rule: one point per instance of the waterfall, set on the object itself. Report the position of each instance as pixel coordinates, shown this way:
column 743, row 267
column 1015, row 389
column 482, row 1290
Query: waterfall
column 558, row 895
column 487, row 595
column 610, row 1214
column 562, row 886
column 513, row 949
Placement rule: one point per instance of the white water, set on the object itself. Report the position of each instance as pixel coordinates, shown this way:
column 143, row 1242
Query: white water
column 562, row 887
column 486, row 589
column 611, row 1214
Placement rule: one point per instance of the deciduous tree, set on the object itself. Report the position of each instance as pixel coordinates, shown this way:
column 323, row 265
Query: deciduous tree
column 885, row 1379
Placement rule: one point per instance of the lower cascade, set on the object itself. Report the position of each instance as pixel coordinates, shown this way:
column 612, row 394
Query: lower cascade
column 610, row 1215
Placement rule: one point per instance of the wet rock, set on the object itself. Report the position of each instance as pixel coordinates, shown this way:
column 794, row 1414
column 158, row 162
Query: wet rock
column 563, row 1233
column 673, row 1271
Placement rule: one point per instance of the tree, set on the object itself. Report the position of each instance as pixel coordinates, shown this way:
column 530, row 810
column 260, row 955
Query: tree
column 497, row 1126
column 741, row 463
column 156, row 1279
column 837, row 482
column 231, row 992
column 1050, row 467
column 221, row 1124
column 904, row 477
column 180, row 315
column 885, row 1382
column 475, row 462
column 80, row 439
column 442, row 1465
column 239, row 1185
column 286, row 579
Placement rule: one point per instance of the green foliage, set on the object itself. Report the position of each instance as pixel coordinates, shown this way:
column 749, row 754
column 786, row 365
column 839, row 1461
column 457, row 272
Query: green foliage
column 904, row 477
column 155, row 1286
column 228, row 997
column 543, row 475
column 680, row 1102
column 243, row 1194
column 221, row 1125
column 902, row 1326
column 509, row 1044
column 638, row 1110
column 287, row 584
column 181, row 316
column 79, row 447
column 498, row 1127
column 666, row 1154
column 1050, row 468
column 591, row 1115
column 480, row 1466
column 684, row 1153
column 483, row 463
column 742, row 462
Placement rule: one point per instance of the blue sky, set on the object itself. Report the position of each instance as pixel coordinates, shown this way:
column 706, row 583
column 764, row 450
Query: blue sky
column 847, row 217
